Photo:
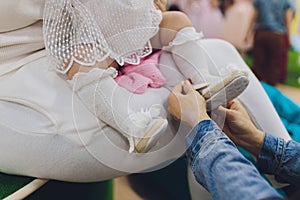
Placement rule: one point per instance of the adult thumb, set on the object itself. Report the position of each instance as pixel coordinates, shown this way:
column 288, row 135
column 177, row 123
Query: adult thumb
column 221, row 111
column 187, row 87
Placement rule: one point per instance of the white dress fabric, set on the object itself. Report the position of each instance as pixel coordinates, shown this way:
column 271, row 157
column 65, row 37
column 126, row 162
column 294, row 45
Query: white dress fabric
column 47, row 132
column 21, row 35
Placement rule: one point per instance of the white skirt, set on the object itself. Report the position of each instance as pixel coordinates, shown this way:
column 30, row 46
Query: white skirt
column 47, row 132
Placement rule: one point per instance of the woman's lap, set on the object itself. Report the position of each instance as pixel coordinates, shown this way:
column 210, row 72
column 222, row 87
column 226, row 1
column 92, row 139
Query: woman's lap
column 39, row 134
column 48, row 133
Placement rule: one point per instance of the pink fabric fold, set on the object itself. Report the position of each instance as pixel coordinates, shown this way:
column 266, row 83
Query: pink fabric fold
column 137, row 78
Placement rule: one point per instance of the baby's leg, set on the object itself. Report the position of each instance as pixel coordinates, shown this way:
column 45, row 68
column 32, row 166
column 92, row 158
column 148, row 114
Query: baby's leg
column 183, row 42
column 110, row 103
column 254, row 97
column 174, row 31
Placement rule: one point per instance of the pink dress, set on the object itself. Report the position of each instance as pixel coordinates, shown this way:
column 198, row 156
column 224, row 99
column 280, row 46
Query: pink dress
column 137, row 78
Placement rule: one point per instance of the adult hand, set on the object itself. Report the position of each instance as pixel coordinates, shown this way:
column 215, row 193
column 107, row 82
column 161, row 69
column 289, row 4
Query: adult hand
column 186, row 104
column 240, row 129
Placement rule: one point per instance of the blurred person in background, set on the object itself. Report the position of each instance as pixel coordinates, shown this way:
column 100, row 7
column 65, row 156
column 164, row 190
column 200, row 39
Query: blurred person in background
column 270, row 45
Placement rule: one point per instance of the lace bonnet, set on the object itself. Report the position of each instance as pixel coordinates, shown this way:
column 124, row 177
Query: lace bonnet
column 86, row 31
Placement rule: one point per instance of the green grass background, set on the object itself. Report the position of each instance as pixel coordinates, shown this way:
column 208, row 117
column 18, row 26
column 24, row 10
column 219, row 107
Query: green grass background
column 293, row 76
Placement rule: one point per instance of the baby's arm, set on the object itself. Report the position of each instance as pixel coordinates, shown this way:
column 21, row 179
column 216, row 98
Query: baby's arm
column 76, row 67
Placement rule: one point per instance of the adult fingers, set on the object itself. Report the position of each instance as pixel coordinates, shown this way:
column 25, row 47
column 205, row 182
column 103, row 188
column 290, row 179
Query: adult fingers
column 187, row 87
column 221, row 111
column 178, row 88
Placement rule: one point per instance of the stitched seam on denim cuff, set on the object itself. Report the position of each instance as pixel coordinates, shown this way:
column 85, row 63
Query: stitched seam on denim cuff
column 267, row 157
column 208, row 141
column 280, row 149
column 198, row 132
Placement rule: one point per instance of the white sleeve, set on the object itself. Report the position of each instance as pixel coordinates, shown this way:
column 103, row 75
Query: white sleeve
column 16, row 14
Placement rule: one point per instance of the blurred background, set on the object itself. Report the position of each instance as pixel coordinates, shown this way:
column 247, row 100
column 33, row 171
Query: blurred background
column 231, row 20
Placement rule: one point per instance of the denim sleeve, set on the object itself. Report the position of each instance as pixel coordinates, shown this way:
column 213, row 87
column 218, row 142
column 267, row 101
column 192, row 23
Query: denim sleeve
column 221, row 169
column 281, row 159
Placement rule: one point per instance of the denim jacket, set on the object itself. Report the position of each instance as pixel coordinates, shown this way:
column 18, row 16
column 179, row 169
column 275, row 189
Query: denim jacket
column 225, row 172
column 280, row 158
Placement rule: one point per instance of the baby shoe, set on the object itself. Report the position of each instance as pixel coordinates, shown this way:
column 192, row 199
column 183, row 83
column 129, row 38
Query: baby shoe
column 149, row 127
column 221, row 89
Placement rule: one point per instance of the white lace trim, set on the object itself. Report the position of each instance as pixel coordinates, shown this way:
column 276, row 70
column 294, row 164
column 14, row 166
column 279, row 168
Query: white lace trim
column 86, row 31
column 184, row 35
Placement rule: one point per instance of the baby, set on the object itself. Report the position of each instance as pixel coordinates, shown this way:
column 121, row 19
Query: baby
column 88, row 40
column 178, row 37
